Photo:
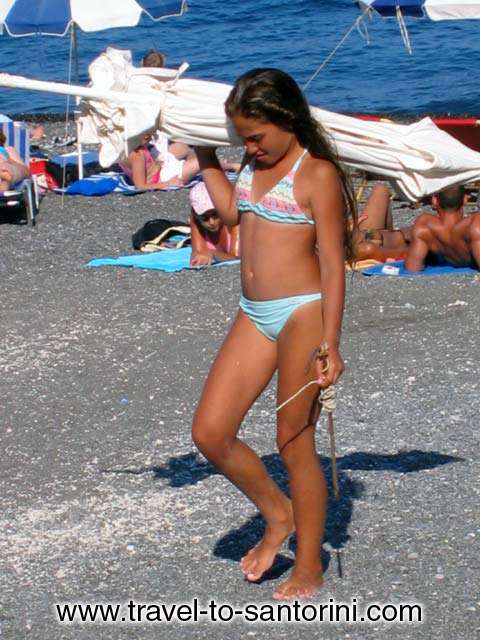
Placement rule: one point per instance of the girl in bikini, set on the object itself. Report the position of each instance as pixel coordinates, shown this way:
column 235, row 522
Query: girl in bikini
column 211, row 239
column 292, row 200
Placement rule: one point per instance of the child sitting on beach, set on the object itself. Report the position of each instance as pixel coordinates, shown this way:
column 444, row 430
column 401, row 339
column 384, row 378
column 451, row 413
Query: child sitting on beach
column 374, row 237
column 211, row 238
column 292, row 201
column 12, row 167
column 449, row 237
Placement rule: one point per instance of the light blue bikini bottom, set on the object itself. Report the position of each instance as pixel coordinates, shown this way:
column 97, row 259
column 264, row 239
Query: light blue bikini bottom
column 270, row 316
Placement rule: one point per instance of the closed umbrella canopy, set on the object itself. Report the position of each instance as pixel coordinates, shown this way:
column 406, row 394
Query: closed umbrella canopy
column 433, row 9
column 123, row 103
column 54, row 17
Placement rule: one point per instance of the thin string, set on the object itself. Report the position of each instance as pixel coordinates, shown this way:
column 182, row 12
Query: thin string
column 67, row 107
column 296, row 394
column 332, row 53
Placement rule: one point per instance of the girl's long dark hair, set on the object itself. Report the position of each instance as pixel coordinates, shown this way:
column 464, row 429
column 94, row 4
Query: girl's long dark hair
column 273, row 96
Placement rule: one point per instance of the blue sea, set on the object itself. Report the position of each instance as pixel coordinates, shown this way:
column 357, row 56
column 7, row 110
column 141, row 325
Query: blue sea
column 221, row 40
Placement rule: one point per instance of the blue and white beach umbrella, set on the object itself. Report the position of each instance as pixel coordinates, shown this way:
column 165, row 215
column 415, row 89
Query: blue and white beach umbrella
column 433, row 9
column 54, row 17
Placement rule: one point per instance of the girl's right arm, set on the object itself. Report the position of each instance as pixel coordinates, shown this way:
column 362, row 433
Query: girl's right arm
column 220, row 189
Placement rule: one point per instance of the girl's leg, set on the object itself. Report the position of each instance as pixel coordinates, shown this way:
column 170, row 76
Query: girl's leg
column 180, row 150
column 296, row 442
column 190, row 168
column 242, row 369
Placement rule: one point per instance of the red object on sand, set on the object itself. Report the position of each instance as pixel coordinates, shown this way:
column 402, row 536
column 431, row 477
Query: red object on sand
column 39, row 167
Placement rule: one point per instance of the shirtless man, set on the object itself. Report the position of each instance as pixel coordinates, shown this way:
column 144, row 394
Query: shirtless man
column 450, row 237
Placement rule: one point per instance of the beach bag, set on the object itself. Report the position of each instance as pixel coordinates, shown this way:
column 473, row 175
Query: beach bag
column 161, row 234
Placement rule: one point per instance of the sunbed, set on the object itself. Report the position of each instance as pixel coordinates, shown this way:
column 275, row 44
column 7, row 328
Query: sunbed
column 23, row 193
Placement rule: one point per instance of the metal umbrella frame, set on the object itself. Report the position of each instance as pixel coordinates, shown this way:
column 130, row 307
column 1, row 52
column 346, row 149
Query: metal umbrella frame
column 435, row 10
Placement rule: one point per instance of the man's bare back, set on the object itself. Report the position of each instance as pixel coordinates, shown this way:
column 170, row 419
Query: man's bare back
column 449, row 236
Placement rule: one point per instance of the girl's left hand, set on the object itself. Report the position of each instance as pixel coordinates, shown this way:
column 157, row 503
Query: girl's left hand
column 327, row 376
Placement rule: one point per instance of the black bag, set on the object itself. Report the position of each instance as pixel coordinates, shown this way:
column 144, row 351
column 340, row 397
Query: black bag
column 157, row 232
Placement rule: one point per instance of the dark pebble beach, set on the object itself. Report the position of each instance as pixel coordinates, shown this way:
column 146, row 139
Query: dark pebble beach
column 104, row 498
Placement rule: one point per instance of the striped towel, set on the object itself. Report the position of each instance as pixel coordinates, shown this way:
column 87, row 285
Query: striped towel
column 101, row 184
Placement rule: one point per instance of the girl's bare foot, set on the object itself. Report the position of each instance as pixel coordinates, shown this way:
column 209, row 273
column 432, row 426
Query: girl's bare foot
column 261, row 557
column 301, row 585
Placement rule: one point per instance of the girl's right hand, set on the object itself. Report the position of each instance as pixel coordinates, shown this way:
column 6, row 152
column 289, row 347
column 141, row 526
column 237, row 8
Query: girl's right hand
column 201, row 258
column 206, row 156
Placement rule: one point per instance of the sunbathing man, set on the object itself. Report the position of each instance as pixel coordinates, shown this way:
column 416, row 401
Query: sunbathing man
column 449, row 238
column 375, row 238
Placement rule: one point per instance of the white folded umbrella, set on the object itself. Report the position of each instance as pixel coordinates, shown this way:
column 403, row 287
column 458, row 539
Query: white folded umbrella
column 123, row 103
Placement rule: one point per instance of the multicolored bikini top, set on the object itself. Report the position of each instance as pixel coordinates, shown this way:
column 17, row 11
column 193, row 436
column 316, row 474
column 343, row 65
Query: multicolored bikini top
column 279, row 204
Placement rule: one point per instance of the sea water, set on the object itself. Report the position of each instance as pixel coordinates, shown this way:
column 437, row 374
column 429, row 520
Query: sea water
column 221, row 40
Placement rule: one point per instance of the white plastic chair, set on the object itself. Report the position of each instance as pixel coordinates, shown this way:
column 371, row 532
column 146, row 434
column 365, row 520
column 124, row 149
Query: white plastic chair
column 25, row 193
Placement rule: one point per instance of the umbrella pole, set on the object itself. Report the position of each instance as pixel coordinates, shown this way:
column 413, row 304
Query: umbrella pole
column 76, row 111
column 117, row 97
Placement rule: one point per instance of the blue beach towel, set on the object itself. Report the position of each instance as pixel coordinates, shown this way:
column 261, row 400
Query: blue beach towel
column 101, row 184
column 169, row 260
column 437, row 270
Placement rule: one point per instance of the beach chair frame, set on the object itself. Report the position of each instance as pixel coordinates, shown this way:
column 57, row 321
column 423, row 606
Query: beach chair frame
column 25, row 192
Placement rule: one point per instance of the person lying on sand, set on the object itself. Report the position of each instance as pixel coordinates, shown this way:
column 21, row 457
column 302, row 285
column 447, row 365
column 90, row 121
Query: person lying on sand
column 12, row 167
column 375, row 238
column 147, row 171
column 449, row 237
column 211, row 238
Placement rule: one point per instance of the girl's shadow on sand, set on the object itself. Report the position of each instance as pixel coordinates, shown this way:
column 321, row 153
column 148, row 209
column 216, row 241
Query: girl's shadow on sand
column 190, row 469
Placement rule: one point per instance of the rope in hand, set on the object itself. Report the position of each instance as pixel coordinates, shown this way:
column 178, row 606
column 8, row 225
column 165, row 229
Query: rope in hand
column 327, row 400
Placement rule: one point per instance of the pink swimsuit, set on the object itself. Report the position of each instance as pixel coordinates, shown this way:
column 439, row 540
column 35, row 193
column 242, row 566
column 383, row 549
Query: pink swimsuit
column 171, row 167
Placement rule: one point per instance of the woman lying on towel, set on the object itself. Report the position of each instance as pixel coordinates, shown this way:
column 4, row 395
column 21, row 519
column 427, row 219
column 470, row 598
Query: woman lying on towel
column 12, row 167
column 375, row 238
column 149, row 168
column 211, row 238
